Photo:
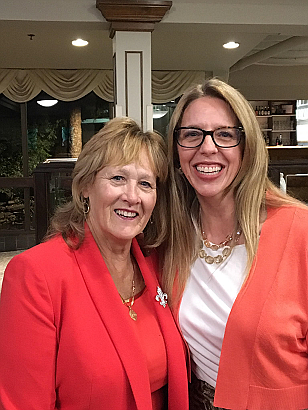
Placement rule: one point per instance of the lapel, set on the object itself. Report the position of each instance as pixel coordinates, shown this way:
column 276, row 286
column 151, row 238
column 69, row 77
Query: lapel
column 175, row 348
column 116, row 320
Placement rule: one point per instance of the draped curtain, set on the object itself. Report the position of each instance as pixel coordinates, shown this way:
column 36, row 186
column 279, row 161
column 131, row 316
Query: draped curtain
column 69, row 85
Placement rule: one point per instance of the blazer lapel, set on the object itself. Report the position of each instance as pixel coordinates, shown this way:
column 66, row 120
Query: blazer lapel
column 175, row 348
column 116, row 320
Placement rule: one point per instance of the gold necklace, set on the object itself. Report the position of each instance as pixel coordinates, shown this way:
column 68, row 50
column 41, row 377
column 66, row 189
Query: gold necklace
column 227, row 245
column 130, row 301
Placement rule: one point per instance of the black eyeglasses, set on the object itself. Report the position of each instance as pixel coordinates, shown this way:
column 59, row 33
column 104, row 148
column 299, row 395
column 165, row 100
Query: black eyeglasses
column 192, row 137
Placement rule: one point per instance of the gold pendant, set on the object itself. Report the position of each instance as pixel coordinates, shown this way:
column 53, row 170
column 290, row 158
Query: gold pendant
column 132, row 314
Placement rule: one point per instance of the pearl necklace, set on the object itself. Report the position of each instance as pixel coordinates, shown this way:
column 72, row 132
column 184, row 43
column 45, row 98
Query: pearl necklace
column 227, row 245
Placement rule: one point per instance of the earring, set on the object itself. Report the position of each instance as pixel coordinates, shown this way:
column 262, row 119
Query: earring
column 86, row 206
column 151, row 220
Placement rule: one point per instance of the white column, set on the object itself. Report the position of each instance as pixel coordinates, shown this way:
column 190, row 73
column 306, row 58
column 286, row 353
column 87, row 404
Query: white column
column 132, row 79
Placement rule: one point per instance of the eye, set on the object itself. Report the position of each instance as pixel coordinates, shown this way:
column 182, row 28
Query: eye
column 146, row 184
column 117, row 178
column 225, row 133
column 191, row 133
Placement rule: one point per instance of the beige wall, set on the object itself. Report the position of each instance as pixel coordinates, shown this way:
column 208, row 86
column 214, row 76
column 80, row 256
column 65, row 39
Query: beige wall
column 259, row 82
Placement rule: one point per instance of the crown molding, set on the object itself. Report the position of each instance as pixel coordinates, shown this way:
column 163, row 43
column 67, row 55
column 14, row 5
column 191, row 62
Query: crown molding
column 133, row 15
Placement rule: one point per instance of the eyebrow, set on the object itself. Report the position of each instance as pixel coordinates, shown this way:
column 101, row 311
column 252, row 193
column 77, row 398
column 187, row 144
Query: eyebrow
column 144, row 174
column 201, row 128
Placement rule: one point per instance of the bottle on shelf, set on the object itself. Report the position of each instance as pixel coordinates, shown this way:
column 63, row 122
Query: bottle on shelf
column 267, row 139
column 279, row 140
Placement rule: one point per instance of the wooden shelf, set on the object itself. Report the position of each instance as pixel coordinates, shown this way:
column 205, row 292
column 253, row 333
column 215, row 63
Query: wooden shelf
column 281, row 119
column 280, row 131
column 282, row 115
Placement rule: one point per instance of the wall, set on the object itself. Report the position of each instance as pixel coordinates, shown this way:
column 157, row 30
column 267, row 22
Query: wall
column 258, row 82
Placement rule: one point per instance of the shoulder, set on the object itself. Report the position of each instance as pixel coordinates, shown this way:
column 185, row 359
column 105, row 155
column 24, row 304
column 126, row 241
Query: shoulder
column 291, row 220
column 45, row 250
column 288, row 212
column 47, row 256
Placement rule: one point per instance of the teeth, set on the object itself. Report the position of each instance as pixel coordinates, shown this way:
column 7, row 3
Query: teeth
column 127, row 214
column 209, row 170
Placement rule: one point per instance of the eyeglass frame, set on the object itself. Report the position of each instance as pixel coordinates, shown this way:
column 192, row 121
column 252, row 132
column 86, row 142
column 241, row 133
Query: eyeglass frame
column 211, row 133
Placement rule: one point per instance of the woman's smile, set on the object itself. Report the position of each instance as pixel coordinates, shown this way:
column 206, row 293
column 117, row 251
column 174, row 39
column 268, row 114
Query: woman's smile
column 208, row 168
column 121, row 200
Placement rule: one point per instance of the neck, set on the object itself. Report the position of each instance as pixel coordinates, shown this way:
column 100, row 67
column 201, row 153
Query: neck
column 120, row 263
column 116, row 254
column 218, row 220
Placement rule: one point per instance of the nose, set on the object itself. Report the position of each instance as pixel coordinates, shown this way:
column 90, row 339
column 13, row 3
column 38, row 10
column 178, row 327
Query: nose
column 131, row 193
column 208, row 147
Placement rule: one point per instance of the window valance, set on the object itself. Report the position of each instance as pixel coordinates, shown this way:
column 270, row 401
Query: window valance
column 68, row 85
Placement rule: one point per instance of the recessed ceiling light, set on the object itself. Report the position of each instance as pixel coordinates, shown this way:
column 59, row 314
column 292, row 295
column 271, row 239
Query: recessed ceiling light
column 47, row 103
column 79, row 42
column 231, row 44
column 159, row 114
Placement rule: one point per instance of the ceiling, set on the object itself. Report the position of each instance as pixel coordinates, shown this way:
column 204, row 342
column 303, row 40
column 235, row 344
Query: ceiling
column 190, row 36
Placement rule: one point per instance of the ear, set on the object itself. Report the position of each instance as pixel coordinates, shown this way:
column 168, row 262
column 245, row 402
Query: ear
column 85, row 192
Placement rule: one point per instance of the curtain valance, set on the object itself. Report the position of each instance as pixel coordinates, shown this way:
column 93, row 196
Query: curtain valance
column 168, row 85
column 69, row 85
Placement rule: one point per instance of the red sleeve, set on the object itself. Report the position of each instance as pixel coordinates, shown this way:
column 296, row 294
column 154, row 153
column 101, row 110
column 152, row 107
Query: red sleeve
column 27, row 339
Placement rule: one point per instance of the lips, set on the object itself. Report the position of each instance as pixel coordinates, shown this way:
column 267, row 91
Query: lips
column 208, row 169
column 126, row 214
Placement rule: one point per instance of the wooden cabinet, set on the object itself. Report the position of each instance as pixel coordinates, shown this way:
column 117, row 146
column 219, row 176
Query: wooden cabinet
column 277, row 120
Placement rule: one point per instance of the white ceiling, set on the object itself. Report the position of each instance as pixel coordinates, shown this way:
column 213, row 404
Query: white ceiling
column 190, row 36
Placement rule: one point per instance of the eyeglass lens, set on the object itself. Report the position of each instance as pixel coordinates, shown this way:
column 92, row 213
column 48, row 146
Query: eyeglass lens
column 223, row 137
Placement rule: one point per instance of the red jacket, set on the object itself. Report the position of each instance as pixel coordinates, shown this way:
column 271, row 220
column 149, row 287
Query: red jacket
column 264, row 357
column 66, row 342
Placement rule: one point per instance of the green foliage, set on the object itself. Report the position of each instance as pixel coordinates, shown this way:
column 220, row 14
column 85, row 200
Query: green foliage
column 11, row 160
column 42, row 138
column 42, row 141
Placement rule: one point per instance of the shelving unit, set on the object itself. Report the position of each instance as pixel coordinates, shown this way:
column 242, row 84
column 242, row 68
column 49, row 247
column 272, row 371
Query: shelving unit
column 279, row 121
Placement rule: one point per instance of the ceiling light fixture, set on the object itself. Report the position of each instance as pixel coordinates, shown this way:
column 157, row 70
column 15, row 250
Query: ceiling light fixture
column 47, row 103
column 159, row 114
column 231, row 44
column 79, row 42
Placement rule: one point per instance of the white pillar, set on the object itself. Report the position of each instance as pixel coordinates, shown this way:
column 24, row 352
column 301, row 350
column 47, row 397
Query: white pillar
column 131, row 24
column 132, row 68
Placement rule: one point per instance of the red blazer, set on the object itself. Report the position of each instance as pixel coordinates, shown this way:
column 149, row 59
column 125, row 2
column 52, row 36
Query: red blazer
column 66, row 342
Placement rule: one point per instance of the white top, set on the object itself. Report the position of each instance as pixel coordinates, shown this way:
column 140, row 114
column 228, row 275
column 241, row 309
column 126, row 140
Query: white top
column 207, row 301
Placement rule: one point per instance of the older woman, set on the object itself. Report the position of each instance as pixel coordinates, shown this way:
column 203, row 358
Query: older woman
column 84, row 323
column 240, row 247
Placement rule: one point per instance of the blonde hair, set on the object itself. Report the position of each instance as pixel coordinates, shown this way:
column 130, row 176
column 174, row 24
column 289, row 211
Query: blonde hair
column 250, row 187
column 118, row 143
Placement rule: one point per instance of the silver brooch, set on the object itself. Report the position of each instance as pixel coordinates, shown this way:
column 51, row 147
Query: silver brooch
column 161, row 296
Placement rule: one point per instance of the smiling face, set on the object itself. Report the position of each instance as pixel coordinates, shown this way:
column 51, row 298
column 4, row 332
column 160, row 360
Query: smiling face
column 121, row 200
column 209, row 169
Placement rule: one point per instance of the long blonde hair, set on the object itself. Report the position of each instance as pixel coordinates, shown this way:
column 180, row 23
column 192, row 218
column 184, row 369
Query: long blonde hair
column 118, row 143
column 250, row 187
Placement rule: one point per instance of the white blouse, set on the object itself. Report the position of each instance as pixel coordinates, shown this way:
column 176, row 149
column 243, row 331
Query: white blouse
column 207, row 301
